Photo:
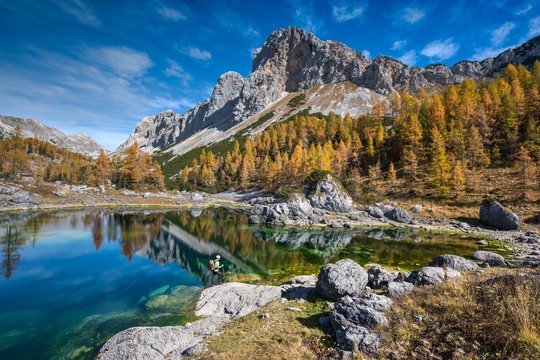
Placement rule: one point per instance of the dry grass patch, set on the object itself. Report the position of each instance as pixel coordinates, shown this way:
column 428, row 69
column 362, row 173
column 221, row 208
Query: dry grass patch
column 493, row 315
column 285, row 335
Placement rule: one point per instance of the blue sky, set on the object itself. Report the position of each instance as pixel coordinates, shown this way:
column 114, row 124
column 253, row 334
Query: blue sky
column 100, row 66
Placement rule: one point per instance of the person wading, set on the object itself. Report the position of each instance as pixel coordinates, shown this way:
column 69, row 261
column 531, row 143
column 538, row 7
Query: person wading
column 217, row 269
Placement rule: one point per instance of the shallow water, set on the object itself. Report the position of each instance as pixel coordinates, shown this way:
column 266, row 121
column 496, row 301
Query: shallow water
column 73, row 279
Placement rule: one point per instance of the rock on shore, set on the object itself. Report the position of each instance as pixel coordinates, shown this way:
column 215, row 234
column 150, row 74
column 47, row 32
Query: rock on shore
column 220, row 304
column 494, row 214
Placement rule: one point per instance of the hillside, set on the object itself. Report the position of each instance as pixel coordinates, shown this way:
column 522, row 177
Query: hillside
column 31, row 128
column 332, row 76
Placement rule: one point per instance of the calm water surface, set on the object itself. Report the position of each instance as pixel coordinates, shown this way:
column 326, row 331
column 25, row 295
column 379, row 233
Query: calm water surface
column 73, row 279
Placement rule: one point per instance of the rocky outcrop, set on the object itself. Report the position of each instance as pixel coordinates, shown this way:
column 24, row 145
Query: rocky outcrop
column 12, row 196
column 219, row 304
column 293, row 60
column 454, row 262
column 31, row 128
column 345, row 277
column 234, row 300
column 390, row 212
column 495, row 215
column 328, row 194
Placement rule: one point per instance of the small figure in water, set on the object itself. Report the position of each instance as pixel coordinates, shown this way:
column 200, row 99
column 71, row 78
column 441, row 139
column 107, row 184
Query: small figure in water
column 217, row 269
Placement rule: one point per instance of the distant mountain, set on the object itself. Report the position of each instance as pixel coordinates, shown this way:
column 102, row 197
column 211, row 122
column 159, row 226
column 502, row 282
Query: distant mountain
column 31, row 128
column 327, row 75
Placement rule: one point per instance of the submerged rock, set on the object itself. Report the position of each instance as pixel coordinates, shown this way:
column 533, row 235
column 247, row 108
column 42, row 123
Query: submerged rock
column 345, row 277
column 454, row 262
column 494, row 214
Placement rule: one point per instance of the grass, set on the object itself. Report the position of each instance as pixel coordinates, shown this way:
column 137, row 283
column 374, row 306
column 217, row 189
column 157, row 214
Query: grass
column 493, row 315
column 286, row 334
column 297, row 101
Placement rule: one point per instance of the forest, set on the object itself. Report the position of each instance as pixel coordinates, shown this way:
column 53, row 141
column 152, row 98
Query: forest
column 443, row 141
column 46, row 162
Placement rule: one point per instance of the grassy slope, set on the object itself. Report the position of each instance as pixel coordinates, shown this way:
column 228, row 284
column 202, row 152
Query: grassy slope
column 492, row 314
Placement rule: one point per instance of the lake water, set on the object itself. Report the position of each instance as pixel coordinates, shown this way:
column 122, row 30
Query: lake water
column 73, row 279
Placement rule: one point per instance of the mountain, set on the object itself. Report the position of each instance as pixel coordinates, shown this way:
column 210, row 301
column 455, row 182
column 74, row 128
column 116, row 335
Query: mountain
column 31, row 128
column 295, row 71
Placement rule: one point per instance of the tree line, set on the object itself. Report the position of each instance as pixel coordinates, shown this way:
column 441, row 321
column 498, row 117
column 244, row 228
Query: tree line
column 31, row 157
column 443, row 139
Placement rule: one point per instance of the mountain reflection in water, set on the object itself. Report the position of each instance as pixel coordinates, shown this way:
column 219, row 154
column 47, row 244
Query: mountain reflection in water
column 190, row 239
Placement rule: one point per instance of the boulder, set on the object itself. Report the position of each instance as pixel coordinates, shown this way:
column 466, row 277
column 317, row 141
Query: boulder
column 299, row 206
column 356, row 338
column 427, row 275
column 399, row 289
column 14, row 195
column 345, row 277
column 416, row 208
column 234, row 300
column 375, row 301
column 328, row 194
column 376, row 212
column 352, row 311
column 304, row 280
column 454, row 262
column 379, row 278
column 495, row 215
column 486, row 255
column 197, row 197
column 397, row 214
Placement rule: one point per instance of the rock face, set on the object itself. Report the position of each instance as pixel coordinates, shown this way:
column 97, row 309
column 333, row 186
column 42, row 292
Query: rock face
column 345, row 277
column 293, row 60
column 329, row 195
column 31, row 128
column 454, row 262
column 494, row 214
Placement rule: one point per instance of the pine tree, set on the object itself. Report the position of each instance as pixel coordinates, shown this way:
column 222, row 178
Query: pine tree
column 476, row 155
column 458, row 178
column 102, row 168
column 392, row 173
column 297, row 164
column 440, row 167
column 16, row 158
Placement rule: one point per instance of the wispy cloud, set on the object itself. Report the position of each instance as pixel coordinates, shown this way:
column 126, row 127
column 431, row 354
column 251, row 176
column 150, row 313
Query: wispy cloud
column 412, row 15
column 440, row 49
column 234, row 23
column 81, row 11
column 198, row 54
column 366, row 53
column 123, row 61
column 343, row 12
column 305, row 16
column 398, row 45
column 488, row 52
column 499, row 35
column 172, row 14
column 534, row 27
column 524, row 10
column 409, row 58
column 176, row 71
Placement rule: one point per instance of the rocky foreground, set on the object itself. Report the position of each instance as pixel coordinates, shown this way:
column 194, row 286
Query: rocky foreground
column 358, row 301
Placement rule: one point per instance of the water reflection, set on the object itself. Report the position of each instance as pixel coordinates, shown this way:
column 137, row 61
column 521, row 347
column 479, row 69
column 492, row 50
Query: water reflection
column 250, row 253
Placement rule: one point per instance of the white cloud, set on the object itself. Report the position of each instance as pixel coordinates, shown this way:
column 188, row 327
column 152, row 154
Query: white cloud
column 305, row 16
column 233, row 22
column 250, row 31
column 440, row 50
column 499, row 35
column 489, row 52
column 534, row 27
column 169, row 13
column 408, row 58
column 77, row 93
column 524, row 10
column 254, row 51
column 198, row 54
column 344, row 12
column 81, row 11
column 412, row 15
column 398, row 44
column 366, row 53
column 177, row 71
column 122, row 60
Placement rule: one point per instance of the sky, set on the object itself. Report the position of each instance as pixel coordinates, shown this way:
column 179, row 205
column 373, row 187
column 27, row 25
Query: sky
column 100, row 66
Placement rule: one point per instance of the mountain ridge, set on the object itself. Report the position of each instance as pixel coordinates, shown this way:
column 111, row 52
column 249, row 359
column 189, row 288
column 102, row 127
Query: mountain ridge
column 31, row 128
column 293, row 60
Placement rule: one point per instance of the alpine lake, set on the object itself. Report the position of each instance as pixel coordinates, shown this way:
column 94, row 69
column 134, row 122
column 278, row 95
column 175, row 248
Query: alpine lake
column 72, row 279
